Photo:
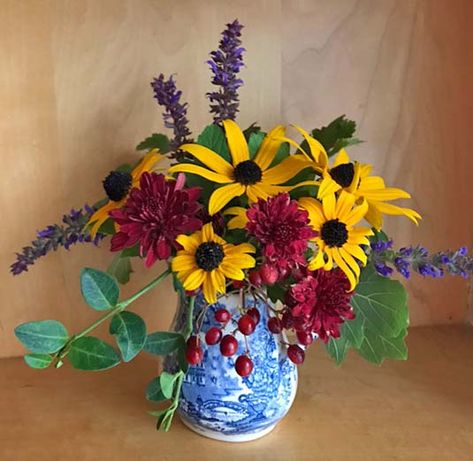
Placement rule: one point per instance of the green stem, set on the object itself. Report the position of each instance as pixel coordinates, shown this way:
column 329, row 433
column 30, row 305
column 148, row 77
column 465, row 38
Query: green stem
column 102, row 319
column 190, row 318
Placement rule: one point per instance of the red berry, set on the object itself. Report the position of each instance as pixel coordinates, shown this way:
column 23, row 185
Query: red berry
column 296, row 354
column 193, row 342
column 255, row 315
column 255, row 278
column 287, row 320
column 213, row 336
column 243, row 365
column 228, row 346
column 222, row 316
column 246, row 324
column 274, row 325
column 305, row 338
column 194, row 355
column 269, row 274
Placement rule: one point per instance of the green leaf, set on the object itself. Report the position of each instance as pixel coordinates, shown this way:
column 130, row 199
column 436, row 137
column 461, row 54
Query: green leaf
column 377, row 348
column 43, row 337
column 353, row 331
column 167, row 381
column 213, row 137
column 281, row 154
column 38, row 361
column 129, row 330
column 253, row 128
column 381, row 303
column 92, row 354
column 155, row 141
column 99, row 289
column 163, row 342
column 108, row 227
column 337, row 134
column 153, row 391
column 120, row 268
column 254, row 142
column 276, row 293
column 337, row 349
column 131, row 252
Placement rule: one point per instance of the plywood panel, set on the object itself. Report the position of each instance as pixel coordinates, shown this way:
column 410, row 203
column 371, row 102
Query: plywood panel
column 403, row 70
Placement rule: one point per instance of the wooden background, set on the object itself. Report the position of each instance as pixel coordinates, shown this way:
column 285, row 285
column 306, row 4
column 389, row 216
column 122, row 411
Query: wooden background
column 75, row 100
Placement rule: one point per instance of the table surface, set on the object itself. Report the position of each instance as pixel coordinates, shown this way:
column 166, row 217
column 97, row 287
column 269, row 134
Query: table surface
column 418, row 410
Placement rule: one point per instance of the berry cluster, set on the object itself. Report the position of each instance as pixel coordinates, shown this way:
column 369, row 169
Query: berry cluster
column 228, row 343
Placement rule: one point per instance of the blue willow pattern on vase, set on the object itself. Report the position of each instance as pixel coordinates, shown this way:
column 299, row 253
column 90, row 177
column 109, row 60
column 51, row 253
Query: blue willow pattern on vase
column 215, row 400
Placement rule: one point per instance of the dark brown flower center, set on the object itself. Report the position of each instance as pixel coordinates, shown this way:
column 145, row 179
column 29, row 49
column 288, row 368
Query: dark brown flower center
column 334, row 233
column 343, row 174
column 247, row 173
column 209, row 255
column 117, row 185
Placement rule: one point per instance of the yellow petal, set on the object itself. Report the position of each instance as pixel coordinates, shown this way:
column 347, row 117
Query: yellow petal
column 146, row 164
column 328, row 205
column 194, row 280
column 286, row 170
column 356, row 214
column 327, row 187
column 218, row 281
column 365, row 170
column 389, row 193
column 348, row 258
column 231, row 271
column 316, row 148
column 241, row 248
column 314, row 208
column 223, row 195
column 240, row 220
column 357, row 252
column 344, row 205
column 236, row 142
column 343, row 266
column 242, row 260
column 317, row 262
column 190, row 242
column 269, row 147
column 183, row 262
column 371, row 183
column 101, row 215
column 208, row 234
column 299, row 148
column 341, row 158
column 374, row 216
column 355, row 182
column 328, row 266
column 359, row 236
column 209, row 290
column 390, row 209
column 200, row 171
column 209, row 158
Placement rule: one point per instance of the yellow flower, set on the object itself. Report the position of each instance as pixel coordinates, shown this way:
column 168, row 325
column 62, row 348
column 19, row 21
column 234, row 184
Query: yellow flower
column 239, row 219
column 355, row 178
column 254, row 178
column 338, row 239
column 207, row 260
column 147, row 163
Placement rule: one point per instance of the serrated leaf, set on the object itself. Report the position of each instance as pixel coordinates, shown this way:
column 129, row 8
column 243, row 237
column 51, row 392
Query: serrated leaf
column 377, row 348
column 345, row 142
column 153, row 391
column 92, row 354
column 99, row 289
column 43, row 337
column 120, row 268
column 381, row 303
column 129, row 330
column 38, row 361
column 155, row 141
column 213, row 137
column 340, row 128
column 337, row 349
column 353, row 331
column 167, row 381
column 163, row 342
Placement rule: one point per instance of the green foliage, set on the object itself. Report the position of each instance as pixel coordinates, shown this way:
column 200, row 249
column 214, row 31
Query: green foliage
column 43, row 337
column 163, row 342
column 92, row 354
column 167, row 382
column 132, row 252
column 129, row 330
column 253, row 128
column 254, row 142
column 336, row 135
column 108, row 227
column 155, row 141
column 379, row 329
column 213, row 137
column 276, row 293
column 38, row 361
column 99, row 289
column 153, row 391
column 120, row 268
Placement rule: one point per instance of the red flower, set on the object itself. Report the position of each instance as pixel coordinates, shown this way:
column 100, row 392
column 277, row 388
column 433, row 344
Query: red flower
column 282, row 228
column 320, row 303
column 154, row 215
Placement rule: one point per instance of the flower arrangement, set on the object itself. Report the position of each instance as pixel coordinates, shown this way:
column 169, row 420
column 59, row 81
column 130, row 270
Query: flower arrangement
column 283, row 216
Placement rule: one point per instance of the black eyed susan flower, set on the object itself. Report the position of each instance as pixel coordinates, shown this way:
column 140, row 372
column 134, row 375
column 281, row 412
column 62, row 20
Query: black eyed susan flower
column 117, row 185
column 338, row 239
column 253, row 178
column 355, row 178
column 207, row 260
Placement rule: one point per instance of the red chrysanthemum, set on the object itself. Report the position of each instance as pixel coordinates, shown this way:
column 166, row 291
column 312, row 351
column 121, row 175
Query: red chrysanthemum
column 154, row 215
column 319, row 303
column 282, row 228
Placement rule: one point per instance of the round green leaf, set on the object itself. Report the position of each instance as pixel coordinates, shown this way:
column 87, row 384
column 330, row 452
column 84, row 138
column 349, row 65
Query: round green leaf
column 129, row 330
column 38, row 361
column 163, row 342
column 154, row 392
column 93, row 354
column 99, row 289
column 43, row 337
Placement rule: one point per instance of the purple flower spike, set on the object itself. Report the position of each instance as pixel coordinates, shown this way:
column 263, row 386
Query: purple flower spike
column 54, row 236
column 225, row 64
column 175, row 113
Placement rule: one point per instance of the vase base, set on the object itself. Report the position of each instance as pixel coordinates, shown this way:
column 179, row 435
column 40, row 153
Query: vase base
column 228, row 437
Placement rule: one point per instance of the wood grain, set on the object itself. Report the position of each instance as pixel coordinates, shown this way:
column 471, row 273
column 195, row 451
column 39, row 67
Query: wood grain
column 419, row 410
column 75, row 100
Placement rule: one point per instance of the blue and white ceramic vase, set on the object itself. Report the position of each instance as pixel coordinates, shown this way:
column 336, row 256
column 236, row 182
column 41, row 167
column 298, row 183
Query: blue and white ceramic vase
column 215, row 401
